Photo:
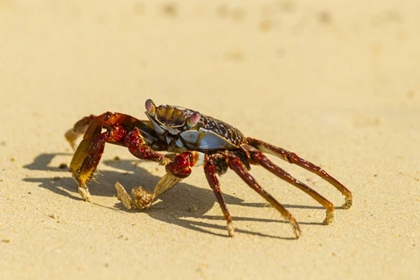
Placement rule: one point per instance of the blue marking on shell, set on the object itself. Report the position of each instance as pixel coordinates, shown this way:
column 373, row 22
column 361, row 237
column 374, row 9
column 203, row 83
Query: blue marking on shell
column 179, row 143
column 190, row 136
column 205, row 140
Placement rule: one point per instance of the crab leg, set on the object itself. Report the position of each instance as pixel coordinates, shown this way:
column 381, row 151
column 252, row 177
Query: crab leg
column 294, row 158
column 90, row 150
column 210, row 171
column 259, row 158
column 181, row 167
column 236, row 165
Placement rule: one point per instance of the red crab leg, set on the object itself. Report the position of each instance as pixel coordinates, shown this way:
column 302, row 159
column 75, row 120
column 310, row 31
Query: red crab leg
column 181, row 167
column 90, row 150
column 210, row 171
column 293, row 158
column 259, row 158
column 236, row 165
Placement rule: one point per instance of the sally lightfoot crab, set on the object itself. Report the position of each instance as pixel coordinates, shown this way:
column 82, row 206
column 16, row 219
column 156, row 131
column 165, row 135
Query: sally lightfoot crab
column 188, row 138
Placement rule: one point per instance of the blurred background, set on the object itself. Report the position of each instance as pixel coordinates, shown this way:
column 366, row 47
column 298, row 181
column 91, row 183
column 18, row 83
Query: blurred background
column 282, row 66
column 215, row 55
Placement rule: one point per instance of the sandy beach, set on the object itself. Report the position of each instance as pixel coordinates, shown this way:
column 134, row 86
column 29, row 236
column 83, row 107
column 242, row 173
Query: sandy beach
column 336, row 82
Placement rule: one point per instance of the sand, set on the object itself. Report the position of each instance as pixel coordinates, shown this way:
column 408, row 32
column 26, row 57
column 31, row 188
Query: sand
column 337, row 82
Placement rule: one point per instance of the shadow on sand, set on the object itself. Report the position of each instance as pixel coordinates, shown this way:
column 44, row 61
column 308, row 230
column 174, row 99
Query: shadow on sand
column 185, row 201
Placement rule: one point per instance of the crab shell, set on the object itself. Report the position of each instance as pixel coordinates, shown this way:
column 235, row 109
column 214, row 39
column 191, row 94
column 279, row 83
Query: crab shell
column 184, row 129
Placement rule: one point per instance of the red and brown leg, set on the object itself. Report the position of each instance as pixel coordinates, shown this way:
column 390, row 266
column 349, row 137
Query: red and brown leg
column 210, row 171
column 236, row 165
column 181, row 167
column 259, row 158
column 90, row 150
column 295, row 159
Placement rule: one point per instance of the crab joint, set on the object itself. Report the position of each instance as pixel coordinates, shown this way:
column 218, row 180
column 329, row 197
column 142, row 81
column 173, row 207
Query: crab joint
column 182, row 163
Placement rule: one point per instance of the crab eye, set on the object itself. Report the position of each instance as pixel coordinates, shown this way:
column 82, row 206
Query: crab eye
column 150, row 107
column 193, row 119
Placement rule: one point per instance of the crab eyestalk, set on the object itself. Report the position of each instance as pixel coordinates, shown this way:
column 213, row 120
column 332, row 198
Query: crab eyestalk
column 193, row 119
column 150, row 107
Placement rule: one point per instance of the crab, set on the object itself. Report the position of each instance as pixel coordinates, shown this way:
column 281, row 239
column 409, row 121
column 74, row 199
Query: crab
column 181, row 138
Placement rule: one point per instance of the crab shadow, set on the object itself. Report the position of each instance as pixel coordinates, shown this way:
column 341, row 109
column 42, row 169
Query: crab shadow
column 184, row 205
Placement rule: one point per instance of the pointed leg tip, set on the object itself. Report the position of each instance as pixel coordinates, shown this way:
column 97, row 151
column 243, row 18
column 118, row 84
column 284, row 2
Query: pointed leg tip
column 296, row 229
column 329, row 217
column 348, row 203
column 230, row 229
column 298, row 233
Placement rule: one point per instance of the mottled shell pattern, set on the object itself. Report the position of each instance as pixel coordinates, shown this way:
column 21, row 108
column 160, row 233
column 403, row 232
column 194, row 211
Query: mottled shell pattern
column 186, row 129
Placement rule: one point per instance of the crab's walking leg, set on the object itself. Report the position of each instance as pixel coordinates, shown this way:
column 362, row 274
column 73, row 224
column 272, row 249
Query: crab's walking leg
column 181, row 167
column 90, row 150
column 236, row 164
column 259, row 158
column 210, row 171
column 293, row 158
